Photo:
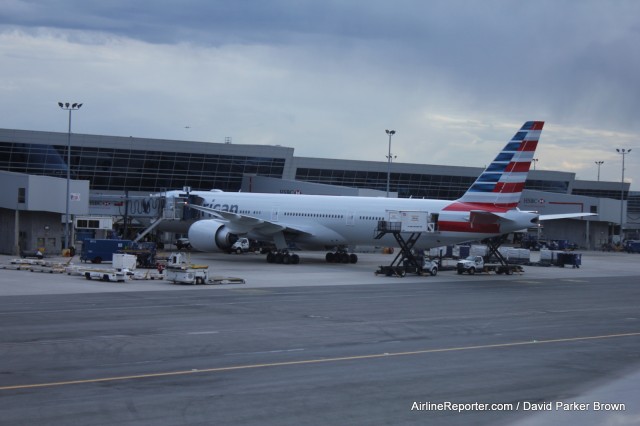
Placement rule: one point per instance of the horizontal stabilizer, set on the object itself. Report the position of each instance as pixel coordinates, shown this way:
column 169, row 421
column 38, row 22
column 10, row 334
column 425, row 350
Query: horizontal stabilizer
column 564, row 216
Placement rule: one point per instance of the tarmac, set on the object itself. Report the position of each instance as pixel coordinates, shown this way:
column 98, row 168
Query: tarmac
column 313, row 271
column 319, row 343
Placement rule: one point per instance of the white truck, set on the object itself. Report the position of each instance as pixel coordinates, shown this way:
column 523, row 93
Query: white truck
column 473, row 264
column 430, row 266
column 243, row 245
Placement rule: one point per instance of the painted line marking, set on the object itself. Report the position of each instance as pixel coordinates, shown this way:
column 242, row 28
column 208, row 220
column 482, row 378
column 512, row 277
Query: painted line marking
column 277, row 351
column 316, row 361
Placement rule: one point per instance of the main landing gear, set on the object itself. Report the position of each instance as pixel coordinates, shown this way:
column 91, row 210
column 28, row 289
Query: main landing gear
column 284, row 257
column 341, row 256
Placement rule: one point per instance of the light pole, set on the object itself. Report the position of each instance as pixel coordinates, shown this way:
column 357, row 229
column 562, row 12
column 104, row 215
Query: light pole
column 390, row 133
column 622, row 152
column 599, row 163
column 68, row 107
column 534, row 161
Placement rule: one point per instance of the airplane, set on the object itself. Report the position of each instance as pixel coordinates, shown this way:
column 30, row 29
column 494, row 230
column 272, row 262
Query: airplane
column 317, row 222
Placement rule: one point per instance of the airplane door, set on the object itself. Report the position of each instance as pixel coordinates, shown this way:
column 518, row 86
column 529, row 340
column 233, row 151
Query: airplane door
column 351, row 216
column 274, row 214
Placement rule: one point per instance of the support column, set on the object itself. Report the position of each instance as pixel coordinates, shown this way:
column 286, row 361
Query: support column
column 16, row 236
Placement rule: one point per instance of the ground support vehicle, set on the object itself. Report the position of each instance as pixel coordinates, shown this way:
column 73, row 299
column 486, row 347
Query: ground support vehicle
column 226, row 280
column 405, row 261
column 36, row 254
column 34, row 265
column 112, row 275
column 145, row 253
column 243, row 245
column 476, row 264
column 51, row 268
column 180, row 270
column 573, row 259
column 149, row 274
column 195, row 274
column 122, row 269
column 429, row 267
column 22, row 264
column 183, row 243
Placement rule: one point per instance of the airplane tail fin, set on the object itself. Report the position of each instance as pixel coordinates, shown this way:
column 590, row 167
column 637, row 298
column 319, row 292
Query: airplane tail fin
column 500, row 185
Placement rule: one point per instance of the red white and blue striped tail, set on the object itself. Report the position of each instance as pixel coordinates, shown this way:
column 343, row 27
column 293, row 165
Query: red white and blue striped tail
column 500, row 186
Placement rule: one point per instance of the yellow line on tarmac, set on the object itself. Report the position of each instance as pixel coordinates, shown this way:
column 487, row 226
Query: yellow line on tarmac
column 315, row 361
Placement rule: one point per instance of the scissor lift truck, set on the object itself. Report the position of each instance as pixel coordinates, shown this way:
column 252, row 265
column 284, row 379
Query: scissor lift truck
column 413, row 223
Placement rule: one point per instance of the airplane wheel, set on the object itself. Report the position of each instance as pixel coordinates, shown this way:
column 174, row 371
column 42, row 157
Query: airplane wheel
column 271, row 258
column 279, row 257
column 295, row 259
column 329, row 257
column 286, row 259
column 344, row 257
column 353, row 258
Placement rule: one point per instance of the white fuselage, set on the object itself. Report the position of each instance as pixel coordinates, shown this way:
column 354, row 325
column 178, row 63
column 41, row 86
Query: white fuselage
column 329, row 221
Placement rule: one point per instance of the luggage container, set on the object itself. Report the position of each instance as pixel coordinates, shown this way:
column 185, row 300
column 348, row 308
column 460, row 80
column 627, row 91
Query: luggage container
column 573, row 259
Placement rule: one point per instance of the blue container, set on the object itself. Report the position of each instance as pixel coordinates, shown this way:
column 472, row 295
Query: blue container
column 98, row 251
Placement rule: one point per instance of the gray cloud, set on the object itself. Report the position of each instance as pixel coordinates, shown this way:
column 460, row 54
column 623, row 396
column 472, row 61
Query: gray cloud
column 328, row 76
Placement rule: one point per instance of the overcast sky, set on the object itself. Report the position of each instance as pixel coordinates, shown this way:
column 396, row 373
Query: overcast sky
column 455, row 79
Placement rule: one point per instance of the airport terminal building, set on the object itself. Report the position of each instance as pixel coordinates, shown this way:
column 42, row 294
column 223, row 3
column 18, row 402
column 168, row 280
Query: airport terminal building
column 121, row 171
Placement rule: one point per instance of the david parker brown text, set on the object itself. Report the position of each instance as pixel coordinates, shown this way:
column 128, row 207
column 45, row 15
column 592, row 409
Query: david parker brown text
column 519, row 406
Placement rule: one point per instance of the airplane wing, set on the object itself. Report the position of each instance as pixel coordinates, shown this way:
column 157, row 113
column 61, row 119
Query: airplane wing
column 564, row 216
column 242, row 224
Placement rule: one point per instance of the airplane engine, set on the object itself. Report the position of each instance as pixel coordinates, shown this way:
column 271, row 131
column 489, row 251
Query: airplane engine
column 211, row 235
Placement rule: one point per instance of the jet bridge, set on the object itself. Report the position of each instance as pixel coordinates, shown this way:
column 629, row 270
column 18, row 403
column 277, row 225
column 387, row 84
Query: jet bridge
column 401, row 223
column 173, row 211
